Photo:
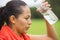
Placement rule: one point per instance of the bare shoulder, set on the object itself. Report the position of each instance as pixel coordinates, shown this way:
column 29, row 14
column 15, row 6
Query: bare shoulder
column 40, row 37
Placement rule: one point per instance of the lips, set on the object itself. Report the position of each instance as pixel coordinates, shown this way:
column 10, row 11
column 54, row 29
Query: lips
column 27, row 28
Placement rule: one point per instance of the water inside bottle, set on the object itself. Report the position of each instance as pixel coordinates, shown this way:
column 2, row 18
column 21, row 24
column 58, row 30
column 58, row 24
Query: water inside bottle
column 50, row 17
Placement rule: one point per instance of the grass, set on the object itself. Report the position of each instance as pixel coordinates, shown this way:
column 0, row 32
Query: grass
column 38, row 27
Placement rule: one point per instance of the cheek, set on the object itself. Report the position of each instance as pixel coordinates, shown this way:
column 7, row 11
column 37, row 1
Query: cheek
column 21, row 24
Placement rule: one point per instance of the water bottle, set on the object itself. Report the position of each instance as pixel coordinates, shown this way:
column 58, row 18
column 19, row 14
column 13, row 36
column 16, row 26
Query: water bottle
column 48, row 15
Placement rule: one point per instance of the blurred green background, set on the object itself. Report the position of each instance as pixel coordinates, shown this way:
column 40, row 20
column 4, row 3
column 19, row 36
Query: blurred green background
column 38, row 24
column 55, row 5
column 38, row 27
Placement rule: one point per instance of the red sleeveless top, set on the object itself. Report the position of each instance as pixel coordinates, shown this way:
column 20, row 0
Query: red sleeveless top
column 7, row 34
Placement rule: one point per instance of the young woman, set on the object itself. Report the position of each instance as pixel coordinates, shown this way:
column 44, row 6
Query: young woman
column 15, row 21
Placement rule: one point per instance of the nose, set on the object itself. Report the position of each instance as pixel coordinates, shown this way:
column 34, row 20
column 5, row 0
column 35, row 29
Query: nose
column 29, row 22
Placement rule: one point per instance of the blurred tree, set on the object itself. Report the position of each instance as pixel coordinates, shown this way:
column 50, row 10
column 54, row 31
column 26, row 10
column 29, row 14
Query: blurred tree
column 55, row 4
column 34, row 13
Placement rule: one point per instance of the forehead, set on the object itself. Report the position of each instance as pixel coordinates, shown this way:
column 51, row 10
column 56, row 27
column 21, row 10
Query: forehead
column 26, row 10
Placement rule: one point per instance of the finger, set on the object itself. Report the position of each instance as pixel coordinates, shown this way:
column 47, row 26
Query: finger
column 45, row 3
column 40, row 10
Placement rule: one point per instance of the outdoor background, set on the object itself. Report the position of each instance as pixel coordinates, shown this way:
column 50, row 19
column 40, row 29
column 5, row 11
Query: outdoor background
column 38, row 24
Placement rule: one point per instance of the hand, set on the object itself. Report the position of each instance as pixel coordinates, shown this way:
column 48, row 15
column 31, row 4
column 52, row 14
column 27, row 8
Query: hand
column 46, row 6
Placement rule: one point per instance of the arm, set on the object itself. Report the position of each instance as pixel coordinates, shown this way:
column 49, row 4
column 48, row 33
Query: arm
column 51, row 32
column 39, row 37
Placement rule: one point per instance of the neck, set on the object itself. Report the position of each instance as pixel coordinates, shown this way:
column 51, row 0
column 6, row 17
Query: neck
column 14, row 29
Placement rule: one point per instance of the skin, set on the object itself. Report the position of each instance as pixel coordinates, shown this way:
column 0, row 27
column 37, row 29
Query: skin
column 23, row 22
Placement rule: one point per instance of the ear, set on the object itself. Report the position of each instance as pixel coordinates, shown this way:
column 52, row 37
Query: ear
column 12, row 19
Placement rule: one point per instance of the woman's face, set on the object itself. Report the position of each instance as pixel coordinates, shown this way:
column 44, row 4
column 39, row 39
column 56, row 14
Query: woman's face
column 23, row 22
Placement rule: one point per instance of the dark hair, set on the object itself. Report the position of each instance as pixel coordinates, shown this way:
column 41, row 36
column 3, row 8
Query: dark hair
column 11, row 8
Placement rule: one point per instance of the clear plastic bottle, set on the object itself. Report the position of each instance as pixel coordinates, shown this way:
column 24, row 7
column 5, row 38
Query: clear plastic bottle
column 48, row 15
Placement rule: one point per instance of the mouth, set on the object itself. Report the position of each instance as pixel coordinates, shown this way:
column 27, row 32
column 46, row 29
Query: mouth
column 27, row 28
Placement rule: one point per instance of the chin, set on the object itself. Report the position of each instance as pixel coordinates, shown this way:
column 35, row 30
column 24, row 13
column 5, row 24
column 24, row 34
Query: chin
column 24, row 32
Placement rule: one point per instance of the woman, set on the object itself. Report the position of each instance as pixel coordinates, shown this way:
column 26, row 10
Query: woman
column 15, row 21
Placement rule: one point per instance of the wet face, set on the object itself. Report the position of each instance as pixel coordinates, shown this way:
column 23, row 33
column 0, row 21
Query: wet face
column 23, row 22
